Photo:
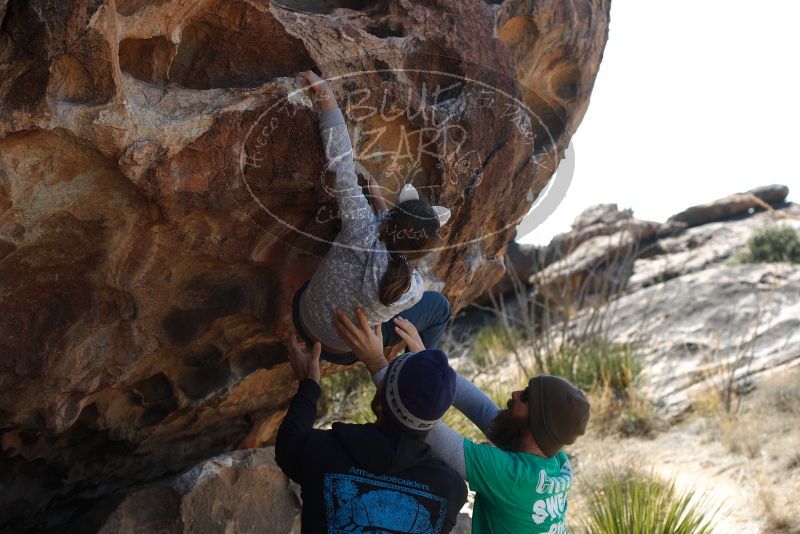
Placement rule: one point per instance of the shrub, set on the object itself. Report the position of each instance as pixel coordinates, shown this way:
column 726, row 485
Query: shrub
column 771, row 244
column 595, row 364
column 629, row 416
column 348, row 395
column 635, row 502
column 492, row 342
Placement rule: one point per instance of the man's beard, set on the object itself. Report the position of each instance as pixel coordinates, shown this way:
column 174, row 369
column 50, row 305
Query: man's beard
column 507, row 431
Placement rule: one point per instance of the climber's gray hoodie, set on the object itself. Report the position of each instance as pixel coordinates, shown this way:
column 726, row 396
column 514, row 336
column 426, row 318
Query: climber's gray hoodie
column 350, row 274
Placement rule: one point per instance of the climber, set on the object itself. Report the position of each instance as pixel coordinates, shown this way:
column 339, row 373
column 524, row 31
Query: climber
column 521, row 483
column 370, row 264
column 377, row 477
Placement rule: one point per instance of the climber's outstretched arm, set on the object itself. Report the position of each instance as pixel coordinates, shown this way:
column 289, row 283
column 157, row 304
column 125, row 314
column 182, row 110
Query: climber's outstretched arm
column 376, row 196
column 354, row 209
column 297, row 427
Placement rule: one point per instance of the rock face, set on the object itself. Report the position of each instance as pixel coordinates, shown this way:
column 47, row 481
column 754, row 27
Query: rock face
column 578, row 261
column 717, row 326
column 732, row 205
column 162, row 196
column 243, row 492
column 608, row 250
column 585, row 260
column 696, row 318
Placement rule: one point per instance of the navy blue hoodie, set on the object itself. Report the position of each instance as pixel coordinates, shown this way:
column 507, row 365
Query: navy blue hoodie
column 364, row 478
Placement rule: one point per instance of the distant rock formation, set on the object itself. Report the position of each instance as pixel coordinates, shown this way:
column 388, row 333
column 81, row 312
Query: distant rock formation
column 604, row 239
column 695, row 317
column 162, row 196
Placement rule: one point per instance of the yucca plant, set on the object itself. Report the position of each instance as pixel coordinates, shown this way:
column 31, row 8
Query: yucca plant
column 636, row 502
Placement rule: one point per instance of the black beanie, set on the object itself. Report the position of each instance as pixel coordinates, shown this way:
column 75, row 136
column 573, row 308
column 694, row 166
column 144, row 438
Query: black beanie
column 557, row 412
column 418, row 389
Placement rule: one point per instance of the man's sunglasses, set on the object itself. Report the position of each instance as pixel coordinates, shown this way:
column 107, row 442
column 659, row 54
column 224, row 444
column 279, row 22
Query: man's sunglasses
column 524, row 395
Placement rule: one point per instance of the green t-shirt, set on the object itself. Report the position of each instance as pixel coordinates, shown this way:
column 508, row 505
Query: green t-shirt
column 517, row 492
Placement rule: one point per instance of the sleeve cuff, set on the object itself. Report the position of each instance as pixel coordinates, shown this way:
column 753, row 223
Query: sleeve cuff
column 378, row 377
column 330, row 118
column 310, row 388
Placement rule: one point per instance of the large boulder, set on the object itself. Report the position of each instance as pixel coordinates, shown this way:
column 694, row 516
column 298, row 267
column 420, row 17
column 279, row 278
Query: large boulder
column 704, row 246
column 575, row 261
column 162, row 196
column 243, row 492
column 718, row 326
column 733, row 205
column 595, row 257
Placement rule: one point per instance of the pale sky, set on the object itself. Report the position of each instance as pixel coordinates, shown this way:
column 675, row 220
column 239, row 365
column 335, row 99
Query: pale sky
column 695, row 99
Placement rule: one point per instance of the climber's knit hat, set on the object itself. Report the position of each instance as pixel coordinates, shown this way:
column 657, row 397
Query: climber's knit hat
column 418, row 389
column 557, row 412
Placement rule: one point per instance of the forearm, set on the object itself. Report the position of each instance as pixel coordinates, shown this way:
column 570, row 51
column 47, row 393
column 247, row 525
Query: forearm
column 375, row 194
column 377, row 368
column 353, row 205
column 474, row 404
column 448, row 445
column 338, row 149
column 299, row 419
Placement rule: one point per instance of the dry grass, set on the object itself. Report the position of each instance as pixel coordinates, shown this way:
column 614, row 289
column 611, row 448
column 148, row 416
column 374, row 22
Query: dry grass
column 783, row 394
column 740, row 435
column 347, row 396
column 747, row 461
column 707, row 402
column 774, row 416
column 765, row 431
column 776, row 517
column 627, row 416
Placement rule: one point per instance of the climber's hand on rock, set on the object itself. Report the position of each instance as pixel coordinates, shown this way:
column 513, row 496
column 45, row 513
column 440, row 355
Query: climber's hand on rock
column 365, row 341
column 305, row 364
column 322, row 91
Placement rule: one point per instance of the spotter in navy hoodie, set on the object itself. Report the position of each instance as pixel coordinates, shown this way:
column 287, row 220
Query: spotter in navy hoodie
column 364, row 478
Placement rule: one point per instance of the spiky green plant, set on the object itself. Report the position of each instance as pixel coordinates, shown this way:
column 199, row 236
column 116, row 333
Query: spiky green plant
column 636, row 502
column 595, row 363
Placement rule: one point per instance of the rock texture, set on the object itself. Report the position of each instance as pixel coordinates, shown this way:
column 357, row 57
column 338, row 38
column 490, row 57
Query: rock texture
column 696, row 318
column 608, row 249
column 731, row 206
column 153, row 229
column 720, row 325
column 243, row 492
